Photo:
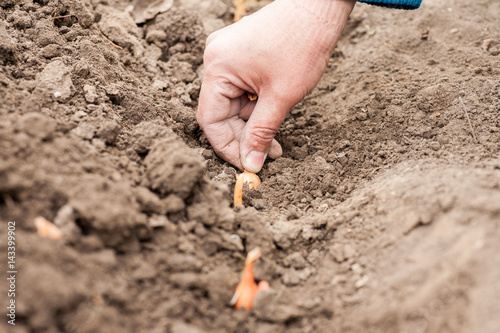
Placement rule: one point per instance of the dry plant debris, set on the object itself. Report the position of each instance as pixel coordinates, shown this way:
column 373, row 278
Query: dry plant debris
column 486, row 44
column 424, row 35
column 247, row 289
column 240, row 10
column 246, row 177
column 468, row 119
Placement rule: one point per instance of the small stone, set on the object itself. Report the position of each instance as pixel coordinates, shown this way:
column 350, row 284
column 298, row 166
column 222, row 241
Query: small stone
column 90, row 93
column 55, row 79
column 85, row 131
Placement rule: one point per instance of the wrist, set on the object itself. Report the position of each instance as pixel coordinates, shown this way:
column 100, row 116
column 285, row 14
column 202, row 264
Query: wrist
column 321, row 20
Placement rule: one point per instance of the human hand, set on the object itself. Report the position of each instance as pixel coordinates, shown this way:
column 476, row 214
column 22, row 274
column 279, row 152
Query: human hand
column 278, row 53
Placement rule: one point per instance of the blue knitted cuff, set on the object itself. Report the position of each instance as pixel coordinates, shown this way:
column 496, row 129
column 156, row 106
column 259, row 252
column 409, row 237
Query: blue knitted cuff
column 401, row 4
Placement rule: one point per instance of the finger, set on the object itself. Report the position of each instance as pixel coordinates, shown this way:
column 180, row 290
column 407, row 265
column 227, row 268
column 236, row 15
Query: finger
column 258, row 134
column 247, row 107
column 275, row 151
column 218, row 104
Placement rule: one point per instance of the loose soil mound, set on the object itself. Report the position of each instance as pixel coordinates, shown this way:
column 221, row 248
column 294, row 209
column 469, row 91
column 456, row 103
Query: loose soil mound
column 383, row 215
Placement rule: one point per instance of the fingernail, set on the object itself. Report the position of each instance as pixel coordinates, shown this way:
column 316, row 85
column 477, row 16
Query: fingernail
column 254, row 161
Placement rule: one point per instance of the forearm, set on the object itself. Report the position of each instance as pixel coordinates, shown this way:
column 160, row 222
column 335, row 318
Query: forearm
column 320, row 20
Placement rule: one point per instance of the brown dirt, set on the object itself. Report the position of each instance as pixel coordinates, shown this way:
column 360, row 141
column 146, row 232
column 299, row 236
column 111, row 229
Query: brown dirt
column 383, row 215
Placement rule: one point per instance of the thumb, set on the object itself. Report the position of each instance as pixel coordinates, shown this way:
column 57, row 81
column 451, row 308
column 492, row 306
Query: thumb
column 257, row 140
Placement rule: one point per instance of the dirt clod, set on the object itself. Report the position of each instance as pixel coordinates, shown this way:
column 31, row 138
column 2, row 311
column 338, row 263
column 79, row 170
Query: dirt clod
column 382, row 215
column 172, row 168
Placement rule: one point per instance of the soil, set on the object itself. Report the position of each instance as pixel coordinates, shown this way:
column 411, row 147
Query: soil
column 383, row 215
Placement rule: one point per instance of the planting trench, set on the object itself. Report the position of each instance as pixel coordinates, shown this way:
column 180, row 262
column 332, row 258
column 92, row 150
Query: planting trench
column 383, row 214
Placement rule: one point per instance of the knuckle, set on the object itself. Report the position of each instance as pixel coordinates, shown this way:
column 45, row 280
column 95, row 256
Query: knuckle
column 213, row 50
column 210, row 54
column 210, row 38
column 261, row 136
column 226, row 88
column 204, row 119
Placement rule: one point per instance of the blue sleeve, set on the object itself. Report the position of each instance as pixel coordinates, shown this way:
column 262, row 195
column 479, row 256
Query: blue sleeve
column 401, row 4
